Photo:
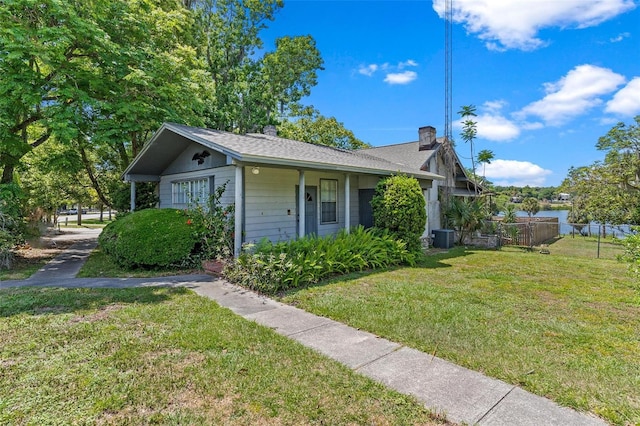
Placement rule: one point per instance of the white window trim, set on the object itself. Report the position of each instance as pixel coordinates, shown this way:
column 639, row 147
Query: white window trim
column 322, row 201
column 191, row 191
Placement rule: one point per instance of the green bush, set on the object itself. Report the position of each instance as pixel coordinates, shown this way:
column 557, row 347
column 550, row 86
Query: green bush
column 152, row 238
column 270, row 268
column 399, row 206
column 11, row 222
column 215, row 226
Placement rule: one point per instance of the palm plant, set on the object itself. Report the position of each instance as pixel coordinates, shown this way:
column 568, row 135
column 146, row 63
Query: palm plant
column 484, row 157
column 466, row 216
column 469, row 132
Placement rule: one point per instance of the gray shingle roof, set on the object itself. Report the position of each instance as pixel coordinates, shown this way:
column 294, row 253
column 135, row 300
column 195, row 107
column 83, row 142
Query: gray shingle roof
column 406, row 154
column 264, row 149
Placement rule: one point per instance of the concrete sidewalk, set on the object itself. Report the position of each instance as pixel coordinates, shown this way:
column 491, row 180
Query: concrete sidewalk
column 465, row 396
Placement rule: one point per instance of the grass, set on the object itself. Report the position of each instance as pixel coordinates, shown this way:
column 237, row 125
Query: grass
column 561, row 325
column 100, row 265
column 22, row 270
column 86, row 223
column 587, row 247
column 166, row 356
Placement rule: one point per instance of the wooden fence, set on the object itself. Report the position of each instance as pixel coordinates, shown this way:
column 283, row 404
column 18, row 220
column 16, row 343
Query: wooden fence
column 528, row 231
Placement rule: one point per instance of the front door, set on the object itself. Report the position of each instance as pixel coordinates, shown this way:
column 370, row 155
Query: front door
column 310, row 209
column 366, row 211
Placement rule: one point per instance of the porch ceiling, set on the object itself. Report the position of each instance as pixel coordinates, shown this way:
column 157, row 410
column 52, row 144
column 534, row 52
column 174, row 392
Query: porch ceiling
column 157, row 156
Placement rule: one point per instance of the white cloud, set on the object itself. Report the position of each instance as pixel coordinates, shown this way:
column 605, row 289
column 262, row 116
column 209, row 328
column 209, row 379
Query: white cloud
column 368, row 70
column 394, row 73
column 509, row 24
column 401, row 78
column 496, row 128
column 407, row 63
column 494, row 106
column 516, row 173
column 491, row 124
column 627, row 101
column 574, row 94
column 620, row 37
column 531, row 125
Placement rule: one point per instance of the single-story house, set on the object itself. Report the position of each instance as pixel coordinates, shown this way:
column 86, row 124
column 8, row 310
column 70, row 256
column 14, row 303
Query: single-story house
column 273, row 182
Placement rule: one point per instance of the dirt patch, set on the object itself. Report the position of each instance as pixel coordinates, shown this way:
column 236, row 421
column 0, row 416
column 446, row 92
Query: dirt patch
column 6, row 363
column 100, row 315
column 29, row 254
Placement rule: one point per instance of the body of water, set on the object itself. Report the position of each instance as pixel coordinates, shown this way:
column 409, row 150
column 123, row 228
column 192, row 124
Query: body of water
column 566, row 228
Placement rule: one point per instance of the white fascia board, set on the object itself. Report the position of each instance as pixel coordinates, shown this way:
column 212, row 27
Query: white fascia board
column 140, row 178
column 224, row 150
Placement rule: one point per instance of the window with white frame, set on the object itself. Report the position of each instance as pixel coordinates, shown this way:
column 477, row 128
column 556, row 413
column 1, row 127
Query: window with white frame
column 190, row 191
column 328, row 201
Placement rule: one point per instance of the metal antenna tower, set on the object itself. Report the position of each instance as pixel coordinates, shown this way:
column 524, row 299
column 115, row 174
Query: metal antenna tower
column 448, row 68
column 447, row 144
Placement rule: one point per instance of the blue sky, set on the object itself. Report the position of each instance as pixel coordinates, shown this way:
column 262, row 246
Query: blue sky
column 548, row 77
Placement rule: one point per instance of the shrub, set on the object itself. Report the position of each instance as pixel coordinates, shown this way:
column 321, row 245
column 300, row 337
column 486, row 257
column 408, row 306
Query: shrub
column 399, row 206
column 215, row 226
column 270, row 268
column 151, row 238
column 11, row 222
column 6, row 244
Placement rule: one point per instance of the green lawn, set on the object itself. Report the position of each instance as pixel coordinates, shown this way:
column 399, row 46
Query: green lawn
column 22, row 271
column 587, row 247
column 167, row 356
column 561, row 325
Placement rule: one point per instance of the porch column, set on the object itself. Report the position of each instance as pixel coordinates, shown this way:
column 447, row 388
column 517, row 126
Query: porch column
column 301, row 203
column 347, row 203
column 133, row 195
column 239, row 214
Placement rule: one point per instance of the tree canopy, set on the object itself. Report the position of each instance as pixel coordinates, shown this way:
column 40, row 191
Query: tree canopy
column 531, row 206
column 105, row 72
column 609, row 190
column 86, row 83
column 312, row 127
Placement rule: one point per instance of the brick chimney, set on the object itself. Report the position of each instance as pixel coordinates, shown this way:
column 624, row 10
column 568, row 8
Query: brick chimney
column 270, row 130
column 427, row 138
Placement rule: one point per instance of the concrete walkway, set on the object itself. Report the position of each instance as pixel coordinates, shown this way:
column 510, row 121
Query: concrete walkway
column 465, row 396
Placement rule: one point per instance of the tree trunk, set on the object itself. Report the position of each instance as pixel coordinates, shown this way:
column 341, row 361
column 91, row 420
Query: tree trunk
column 7, row 174
column 94, row 181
